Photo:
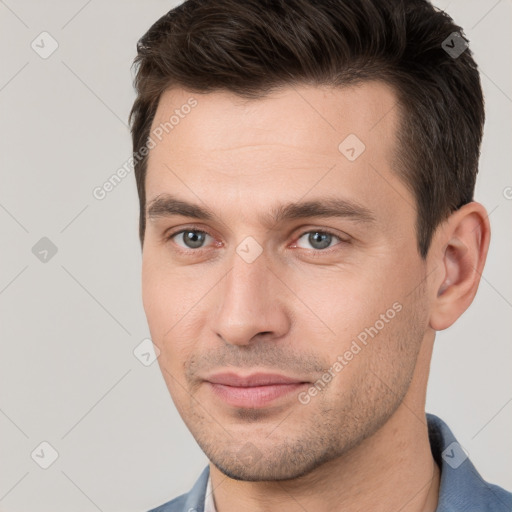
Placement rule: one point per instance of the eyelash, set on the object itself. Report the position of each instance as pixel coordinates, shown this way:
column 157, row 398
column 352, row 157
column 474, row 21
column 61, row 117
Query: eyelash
column 314, row 252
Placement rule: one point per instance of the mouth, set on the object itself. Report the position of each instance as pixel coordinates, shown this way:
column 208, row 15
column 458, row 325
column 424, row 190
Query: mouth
column 253, row 391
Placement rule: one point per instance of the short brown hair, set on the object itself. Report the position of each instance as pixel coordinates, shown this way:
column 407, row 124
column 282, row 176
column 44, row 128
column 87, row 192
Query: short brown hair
column 251, row 47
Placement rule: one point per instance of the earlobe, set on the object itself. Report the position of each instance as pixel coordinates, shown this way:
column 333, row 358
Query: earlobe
column 463, row 243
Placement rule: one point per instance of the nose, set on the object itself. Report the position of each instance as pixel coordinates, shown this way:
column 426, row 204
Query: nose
column 251, row 303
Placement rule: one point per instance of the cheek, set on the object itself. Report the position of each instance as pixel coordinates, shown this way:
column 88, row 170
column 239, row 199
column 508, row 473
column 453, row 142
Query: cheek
column 169, row 303
column 344, row 303
column 166, row 297
column 364, row 311
column 162, row 307
column 155, row 299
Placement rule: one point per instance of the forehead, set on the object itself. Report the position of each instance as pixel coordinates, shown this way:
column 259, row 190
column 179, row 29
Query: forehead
column 312, row 117
column 221, row 149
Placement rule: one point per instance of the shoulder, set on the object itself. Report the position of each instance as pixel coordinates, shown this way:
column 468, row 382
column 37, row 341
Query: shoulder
column 462, row 487
column 175, row 505
column 192, row 501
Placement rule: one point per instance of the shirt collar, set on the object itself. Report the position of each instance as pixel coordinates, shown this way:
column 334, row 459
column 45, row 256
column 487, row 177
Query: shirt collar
column 209, row 503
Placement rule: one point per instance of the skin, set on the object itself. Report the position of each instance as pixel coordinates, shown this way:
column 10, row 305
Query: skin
column 362, row 442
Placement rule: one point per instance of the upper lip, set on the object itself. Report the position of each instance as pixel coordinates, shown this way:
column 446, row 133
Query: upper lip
column 256, row 379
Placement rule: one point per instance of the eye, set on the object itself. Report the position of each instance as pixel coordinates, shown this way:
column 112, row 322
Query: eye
column 318, row 239
column 190, row 238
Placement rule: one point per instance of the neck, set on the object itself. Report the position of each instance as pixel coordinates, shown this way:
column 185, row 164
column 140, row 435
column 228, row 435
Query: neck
column 391, row 470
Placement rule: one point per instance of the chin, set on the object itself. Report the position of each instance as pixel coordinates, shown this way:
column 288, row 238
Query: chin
column 264, row 470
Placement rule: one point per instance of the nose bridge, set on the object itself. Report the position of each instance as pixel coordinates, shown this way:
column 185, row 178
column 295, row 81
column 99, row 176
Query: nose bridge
column 248, row 300
column 248, row 279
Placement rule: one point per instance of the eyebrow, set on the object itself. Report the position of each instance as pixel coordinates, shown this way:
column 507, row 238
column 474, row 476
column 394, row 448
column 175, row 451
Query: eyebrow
column 166, row 205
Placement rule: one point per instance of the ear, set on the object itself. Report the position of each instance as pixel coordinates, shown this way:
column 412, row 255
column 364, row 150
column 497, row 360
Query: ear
column 459, row 251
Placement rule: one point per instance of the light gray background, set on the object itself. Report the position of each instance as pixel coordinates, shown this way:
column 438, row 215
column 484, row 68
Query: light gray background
column 69, row 326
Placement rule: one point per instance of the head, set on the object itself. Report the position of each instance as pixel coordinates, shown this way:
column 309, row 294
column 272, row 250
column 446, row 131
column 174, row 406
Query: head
column 305, row 173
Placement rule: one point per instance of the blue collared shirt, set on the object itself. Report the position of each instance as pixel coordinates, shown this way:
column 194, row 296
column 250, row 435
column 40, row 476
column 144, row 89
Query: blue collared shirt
column 461, row 489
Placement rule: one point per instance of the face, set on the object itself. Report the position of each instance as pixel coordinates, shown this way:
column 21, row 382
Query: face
column 281, row 278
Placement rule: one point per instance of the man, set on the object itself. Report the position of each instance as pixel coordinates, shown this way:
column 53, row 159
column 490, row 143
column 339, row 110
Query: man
column 306, row 170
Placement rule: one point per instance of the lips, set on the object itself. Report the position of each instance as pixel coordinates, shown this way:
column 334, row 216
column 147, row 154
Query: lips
column 257, row 379
column 253, row 391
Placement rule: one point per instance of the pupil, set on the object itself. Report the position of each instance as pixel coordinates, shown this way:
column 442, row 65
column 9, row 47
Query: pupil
column 320, row 240
column 194, row 239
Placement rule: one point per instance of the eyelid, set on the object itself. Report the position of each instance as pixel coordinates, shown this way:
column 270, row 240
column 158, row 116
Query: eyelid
column 168, row 236
column 304, row 231
column 342, row 239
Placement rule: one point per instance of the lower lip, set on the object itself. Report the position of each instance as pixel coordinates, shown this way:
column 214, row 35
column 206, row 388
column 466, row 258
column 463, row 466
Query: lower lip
column 256, row 396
